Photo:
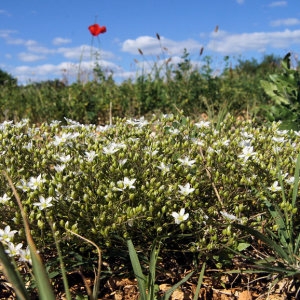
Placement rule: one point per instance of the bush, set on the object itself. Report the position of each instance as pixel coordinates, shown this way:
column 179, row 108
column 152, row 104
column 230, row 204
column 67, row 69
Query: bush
column 125, row 181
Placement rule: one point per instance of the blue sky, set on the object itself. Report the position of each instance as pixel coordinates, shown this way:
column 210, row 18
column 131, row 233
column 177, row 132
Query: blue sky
column 41, row 40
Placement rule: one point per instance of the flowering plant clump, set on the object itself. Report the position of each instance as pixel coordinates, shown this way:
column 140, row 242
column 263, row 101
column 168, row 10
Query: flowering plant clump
column 143, row 178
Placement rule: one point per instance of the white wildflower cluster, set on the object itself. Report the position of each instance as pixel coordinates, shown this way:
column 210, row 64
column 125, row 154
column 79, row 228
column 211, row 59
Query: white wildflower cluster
column 138, row 173
column 12, row 249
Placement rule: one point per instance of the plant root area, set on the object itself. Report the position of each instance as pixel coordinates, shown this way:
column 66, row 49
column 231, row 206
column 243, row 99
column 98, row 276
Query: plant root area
column 217, row 284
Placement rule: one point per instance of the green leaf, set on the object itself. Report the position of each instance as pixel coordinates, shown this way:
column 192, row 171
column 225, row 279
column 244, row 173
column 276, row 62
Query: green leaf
column 141, row 278
column 152, row 288
column 283, row 232
column 242, row 246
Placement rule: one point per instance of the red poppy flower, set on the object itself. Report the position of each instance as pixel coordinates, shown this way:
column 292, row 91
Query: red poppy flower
column 95, row 29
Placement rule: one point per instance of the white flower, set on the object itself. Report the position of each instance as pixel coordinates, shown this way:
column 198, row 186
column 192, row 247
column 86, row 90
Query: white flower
column 90, row 155
column 151, row 152
column 58, row 140
column 54, row 123
column 138, row 122
column 44, row 202
column 13, row 250
column 198, row 142
column 202, row 124
column 165, row 168
column 65, row 158
column 59, row 168
column 226, row 215
column 7, row 235
column 122, row 162
column 174, row 131
column 278, row 139
column 126, row 183
column 4, row 199
column 25, row 255
column 28, row 146
column 247, row 135
column 245, row 143
column 185, row 190
column 130, row 222
column 282, row 132
column 35, row 182
column 180, row 217
column 113, row 147
column 290, row 180
column 247, row 153
column 23, row 185
column 225, row 142
column 101, row 128
column 5, row 124
column 167, row 116
column 297, row 133
column 275, row 188
column 186, row 161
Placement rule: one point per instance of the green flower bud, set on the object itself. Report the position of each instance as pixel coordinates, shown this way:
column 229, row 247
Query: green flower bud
column 40, row 224
column 159, row 229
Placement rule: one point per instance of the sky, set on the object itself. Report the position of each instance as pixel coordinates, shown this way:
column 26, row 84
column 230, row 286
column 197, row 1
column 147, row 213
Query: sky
column 49, row 39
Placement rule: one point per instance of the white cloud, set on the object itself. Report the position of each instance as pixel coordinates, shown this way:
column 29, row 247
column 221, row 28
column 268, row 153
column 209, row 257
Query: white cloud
column 17, row 41
column 285, row 22
column 5, row 33
column 278, row 3
column 240, row 1
column 84, row 52
column 226, row 43
column 84, row 69
column 29, row 57
column 151, row 46
column 59, row 41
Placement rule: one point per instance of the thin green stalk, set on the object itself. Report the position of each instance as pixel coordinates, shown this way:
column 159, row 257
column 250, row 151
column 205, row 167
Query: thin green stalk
column 62, row 265
column 94, row 296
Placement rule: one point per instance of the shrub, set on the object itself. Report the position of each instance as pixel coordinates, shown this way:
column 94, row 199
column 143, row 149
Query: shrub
column 125, row 180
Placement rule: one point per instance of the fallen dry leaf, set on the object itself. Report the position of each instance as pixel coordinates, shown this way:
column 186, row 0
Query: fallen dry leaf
column 245, row 295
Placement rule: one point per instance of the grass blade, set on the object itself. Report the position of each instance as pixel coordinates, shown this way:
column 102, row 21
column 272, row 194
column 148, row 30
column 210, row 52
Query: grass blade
column 175, row 286
column 199, row 283
column 141, row 278
column 152, row 269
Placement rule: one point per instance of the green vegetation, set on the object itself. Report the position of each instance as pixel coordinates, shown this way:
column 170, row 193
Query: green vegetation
column 153, row 178
column 167, row 88
column 168, row 178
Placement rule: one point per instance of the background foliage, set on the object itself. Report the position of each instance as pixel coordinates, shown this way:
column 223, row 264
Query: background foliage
column 166, row 88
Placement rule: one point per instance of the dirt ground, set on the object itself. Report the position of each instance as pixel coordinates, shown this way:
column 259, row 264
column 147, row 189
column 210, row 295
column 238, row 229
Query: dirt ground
column 237, row 287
